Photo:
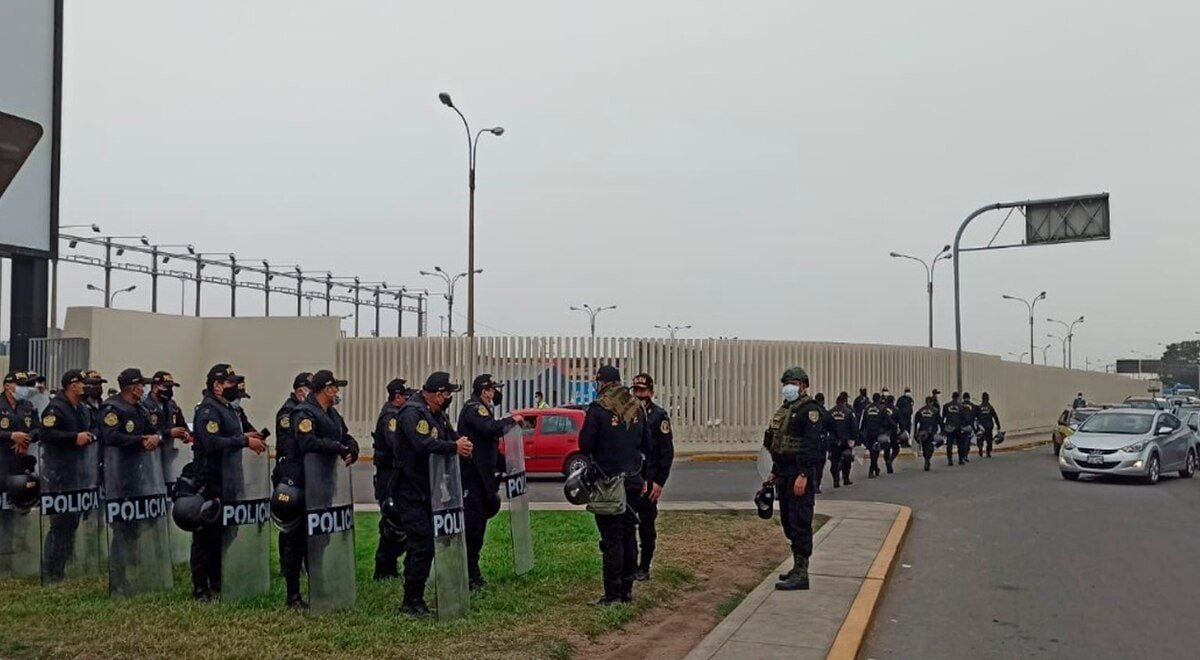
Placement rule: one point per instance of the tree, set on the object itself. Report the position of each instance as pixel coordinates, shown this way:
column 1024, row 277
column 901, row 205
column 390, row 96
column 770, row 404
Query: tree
column 1181, row 364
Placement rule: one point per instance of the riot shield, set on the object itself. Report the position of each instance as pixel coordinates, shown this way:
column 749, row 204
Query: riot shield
column 246, row 525
column 175, row 455
column 70, row 508
column 135, row 508
column 764, row 463
column 19, row 529
column 518, row 502
column 329, row 521
column 449, row 537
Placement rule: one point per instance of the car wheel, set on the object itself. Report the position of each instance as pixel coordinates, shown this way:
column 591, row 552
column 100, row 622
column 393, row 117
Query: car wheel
column 1153, row 470
column 574, row 462
column 1189, row 466
column 1071, row 476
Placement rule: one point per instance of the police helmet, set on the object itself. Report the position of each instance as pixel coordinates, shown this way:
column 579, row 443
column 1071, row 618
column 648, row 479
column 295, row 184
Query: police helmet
column 764, row 501
column 191, row 512
column 794, row 373
column 999, row 437
column 576, row 487
column 389, row 521
column 287, row 506
column 23, row 490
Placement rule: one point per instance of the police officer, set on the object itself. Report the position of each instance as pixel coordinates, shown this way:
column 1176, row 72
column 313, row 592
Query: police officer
column 904, row 406
column 928, row 425
column 892, row 449
column 18, row 416
column 952, row 424
column 481, row 500
column 1079, row 401
column 616, row 437
column 875, row 422
column 860, row 403
column 842, row 440
column 67, row 426
column 937, row 405
column 383, row 439
column 424, row 430
column 93, row 396
column 161, row 402
column 989, row 422
column 795, row 440
column 292, row 545
column 318, row 428
column 219, row 431
column 662, row 441
column 969, row 414
column 817, row 476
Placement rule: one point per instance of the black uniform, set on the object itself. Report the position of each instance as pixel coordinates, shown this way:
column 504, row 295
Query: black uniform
column 860, row 404
column 969, row 414
column 892, row 449
column 928, row 425
column 293, row 544
column 662, row 441
column 61, row 425
column 219, row 432
column 806, row 423
column 383, row 440
column 875, row 422
column 904, row 407
column 953, row 423
column 315, row 430
column 616, row 436
column 826, row 443
column 989, row 422
column 166, row 415
column 423, row 432
column 477, row 421
column 123, row 425
column 844, row 432
column 22, row 417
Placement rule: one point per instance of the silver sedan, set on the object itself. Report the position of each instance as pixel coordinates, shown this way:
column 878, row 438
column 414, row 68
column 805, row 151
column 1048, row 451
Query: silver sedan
column 1129, row 442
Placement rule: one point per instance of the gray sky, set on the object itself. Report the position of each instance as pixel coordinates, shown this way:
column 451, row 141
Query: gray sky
column 742, row 167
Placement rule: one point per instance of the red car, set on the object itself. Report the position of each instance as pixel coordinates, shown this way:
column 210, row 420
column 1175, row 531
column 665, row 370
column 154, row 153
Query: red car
column 551, row 439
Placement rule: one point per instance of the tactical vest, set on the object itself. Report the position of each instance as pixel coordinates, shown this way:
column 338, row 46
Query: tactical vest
column 778, row 439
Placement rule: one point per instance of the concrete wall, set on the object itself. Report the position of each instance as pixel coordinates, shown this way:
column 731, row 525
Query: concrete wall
column 268, row 351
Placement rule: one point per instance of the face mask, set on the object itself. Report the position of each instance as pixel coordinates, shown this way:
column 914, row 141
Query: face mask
column 22, row 393
column 497, row 398
column 167, row 394
column 337, row 399
column 791, row 393
column 446, row 403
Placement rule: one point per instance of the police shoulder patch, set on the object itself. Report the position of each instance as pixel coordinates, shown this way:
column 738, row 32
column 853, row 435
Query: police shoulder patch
column 129, row 425
column 111, row 419
column 814, row 416
column 49, row 421
column 392, row 424
column 305, row 425
column 154, row 419
column 4, row 422
column 212, row 426
column 284, row 421
column 665, row 427
column 483, row 411
column 423, row 427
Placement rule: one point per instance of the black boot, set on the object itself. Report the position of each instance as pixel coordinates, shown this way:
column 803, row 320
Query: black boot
column 642, row 573
column 798, row 580
column 889, row 468
column 295, row 602
column 927, row 465
column 796, row 559
column 414, row 601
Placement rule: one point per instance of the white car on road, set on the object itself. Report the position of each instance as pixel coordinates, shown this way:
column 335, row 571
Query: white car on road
column 1131, row 442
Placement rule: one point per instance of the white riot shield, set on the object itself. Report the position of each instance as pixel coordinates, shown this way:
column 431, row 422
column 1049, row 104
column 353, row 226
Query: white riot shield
column 135, row 508
column 514, row 486
column 764, row 463
column 20, row 530
column 329, row 521
column 70, row 507
column 176, row 454
column 449, row 537
column 246, row 525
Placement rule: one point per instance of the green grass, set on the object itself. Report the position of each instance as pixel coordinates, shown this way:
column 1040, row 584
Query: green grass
column 541, row 614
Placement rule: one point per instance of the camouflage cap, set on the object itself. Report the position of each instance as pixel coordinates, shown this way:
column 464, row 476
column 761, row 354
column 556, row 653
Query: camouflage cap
column 794, row 373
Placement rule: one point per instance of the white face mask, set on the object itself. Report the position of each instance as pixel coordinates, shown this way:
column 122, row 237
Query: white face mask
column 23, row 392
column 791, row 393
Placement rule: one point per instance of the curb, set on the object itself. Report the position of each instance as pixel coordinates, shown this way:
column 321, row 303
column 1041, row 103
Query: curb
column 719, row 457
column 854, row 628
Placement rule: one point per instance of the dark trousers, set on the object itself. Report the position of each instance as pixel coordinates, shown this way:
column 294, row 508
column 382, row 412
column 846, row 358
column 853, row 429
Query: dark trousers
column 618, row 547
column 985, row 439
column 60, row 545
column 964, row 444
column 293, row 552
column 951, row 443
column 891, row 449
column 387, row 556
column 206, row 560
column 840, row 459
column 927, row 447
column 476, row 521
column 875, row 447
column 418, row 557
column 647, row 513
column 796, row 514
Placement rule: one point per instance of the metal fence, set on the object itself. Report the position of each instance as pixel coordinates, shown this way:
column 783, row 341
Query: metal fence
column 719, row 393
column 51, row 357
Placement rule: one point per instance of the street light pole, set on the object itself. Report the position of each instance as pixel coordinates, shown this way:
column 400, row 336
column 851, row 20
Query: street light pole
column 1069, row 360
column 673, row 329
column 592, row 313
column 472, row 151
column 1031, row 306
column 154, row 255
column 1064, row 346
column 930, row 267
column 54, row 276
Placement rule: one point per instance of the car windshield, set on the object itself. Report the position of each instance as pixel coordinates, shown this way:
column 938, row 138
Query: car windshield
column 1147, row 405
column 1079, row 415
column 1123, row 423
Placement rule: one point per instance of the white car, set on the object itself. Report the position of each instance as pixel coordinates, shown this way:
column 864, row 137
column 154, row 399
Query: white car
column 1132, row 442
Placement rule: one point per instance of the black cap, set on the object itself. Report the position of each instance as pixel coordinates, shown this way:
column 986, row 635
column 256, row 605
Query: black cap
column 608, row 374
column 164, row 378
column 966, row 395
column 18, row 377
column 483, row 382
column 302, row 379
column 643, row 380
column 221, row 372
column 72, row 376
column 131, row 376
column 324, row 378
column 36, row 378
column 936, row 392
column 93, row 377
column 439, row 381
column 398, row 386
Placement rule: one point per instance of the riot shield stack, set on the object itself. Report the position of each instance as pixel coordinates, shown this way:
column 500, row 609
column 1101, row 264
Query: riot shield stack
column 246, row 528
column 514, row 485
column 329, row 522
column 135, row 509
column 72, row 536
column 449, row 537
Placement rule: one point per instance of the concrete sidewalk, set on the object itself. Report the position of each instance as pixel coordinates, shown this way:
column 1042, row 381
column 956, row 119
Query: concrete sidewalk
column 852, row 557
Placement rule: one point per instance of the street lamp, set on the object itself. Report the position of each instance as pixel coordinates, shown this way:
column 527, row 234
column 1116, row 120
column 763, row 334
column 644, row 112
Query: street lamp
column 1030, row 305
column 930, row 266
column 1064, row 346
column 1070, row 327
column 1020, row 356
column 108, row 246
column 673, row 329
column 267, row 277
column 1044, row 349
column 592, row 313
column 450, row 282
column 154, row 254
column 107, row 297
column 54, row 274
column 472, row 151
